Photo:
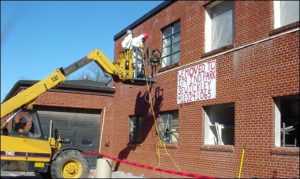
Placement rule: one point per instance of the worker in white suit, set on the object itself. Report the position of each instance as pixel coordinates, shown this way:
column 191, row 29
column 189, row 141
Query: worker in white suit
column 127, row 42
column 137, row 45
column 138, row 54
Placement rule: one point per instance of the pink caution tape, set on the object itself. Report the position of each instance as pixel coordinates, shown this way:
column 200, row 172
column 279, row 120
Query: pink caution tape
column 175, row 172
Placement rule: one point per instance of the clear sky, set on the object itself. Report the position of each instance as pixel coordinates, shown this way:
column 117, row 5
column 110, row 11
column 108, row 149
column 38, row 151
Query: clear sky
column 37, row 37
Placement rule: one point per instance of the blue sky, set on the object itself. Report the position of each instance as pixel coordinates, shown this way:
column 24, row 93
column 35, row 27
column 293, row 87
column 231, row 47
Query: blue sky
column 37, row 37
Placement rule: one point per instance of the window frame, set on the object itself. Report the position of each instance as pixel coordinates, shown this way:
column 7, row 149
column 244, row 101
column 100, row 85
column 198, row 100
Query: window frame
column 208, row 134
column 171, row 36
column 32, row 127
column 278, row 120
column 171, row 131
column 277, row 16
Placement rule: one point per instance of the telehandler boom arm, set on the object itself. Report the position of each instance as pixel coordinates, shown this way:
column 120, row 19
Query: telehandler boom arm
column 98, row 57
column 122, row 70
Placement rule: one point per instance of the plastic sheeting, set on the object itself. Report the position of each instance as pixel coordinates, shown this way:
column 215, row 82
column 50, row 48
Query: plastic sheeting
column 222, row 24
column 289, row 12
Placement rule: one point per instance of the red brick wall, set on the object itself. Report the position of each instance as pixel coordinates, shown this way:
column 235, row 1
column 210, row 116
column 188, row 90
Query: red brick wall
column 253, row 21
column 249, row 77
column 72, row 100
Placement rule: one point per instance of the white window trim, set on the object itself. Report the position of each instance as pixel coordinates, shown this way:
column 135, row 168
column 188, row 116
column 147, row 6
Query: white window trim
column 276, row 8
column 208, row 27
column 208, row 140
column 277, row 125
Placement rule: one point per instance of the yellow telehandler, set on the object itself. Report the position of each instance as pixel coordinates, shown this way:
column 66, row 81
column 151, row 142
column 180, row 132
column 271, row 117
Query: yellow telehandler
column 21, row 134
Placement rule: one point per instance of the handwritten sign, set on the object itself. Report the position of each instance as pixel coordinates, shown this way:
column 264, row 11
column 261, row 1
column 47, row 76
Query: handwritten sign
column 197, row 83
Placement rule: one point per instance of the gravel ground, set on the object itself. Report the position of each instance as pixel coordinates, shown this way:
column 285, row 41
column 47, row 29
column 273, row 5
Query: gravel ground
column 27, row 175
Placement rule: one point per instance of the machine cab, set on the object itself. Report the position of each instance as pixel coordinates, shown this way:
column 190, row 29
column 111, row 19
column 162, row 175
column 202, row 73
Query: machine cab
column 24, row 124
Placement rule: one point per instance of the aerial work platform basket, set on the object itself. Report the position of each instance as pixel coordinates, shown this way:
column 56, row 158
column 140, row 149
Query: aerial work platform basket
column 134, row 69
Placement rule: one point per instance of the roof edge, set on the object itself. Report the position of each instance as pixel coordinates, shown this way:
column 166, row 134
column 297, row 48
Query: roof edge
column 145, row 17
column 65, row 86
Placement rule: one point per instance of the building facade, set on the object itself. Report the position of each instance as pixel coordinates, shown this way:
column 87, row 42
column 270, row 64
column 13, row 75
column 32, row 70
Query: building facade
column 227, row 85
column 228, row 81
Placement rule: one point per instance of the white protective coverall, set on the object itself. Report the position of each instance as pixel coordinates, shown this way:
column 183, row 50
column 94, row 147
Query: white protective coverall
column 138, row 50
column 127, row 42
column 137, row 44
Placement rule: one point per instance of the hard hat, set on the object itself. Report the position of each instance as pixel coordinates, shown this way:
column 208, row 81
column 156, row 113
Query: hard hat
column 145, row 36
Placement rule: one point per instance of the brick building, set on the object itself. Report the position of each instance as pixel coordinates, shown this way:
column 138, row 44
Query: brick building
column 229, row 79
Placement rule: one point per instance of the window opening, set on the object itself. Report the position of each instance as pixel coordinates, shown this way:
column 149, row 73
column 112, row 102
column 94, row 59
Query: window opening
column 287, row 121
column 168, row 127
column 219, row 124
column 285, row 12
column 135, row 129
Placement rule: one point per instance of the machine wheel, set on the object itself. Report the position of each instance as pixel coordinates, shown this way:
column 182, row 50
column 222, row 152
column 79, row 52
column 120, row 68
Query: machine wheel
column 70, row 164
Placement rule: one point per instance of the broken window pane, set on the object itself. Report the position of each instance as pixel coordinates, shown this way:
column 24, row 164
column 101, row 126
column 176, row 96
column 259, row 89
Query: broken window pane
column 168, row 127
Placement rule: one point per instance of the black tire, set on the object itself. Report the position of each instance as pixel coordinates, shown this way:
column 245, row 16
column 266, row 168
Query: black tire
column 70, row 164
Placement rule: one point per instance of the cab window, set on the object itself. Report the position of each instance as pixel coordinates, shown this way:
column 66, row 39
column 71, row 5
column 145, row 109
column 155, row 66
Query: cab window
column 25, row 124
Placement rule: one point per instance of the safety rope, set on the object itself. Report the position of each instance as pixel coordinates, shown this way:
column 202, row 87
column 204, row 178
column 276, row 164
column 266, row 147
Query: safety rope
column 160, row 142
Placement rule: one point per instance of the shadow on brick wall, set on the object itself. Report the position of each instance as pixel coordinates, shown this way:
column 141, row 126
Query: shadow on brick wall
column 143, row 108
